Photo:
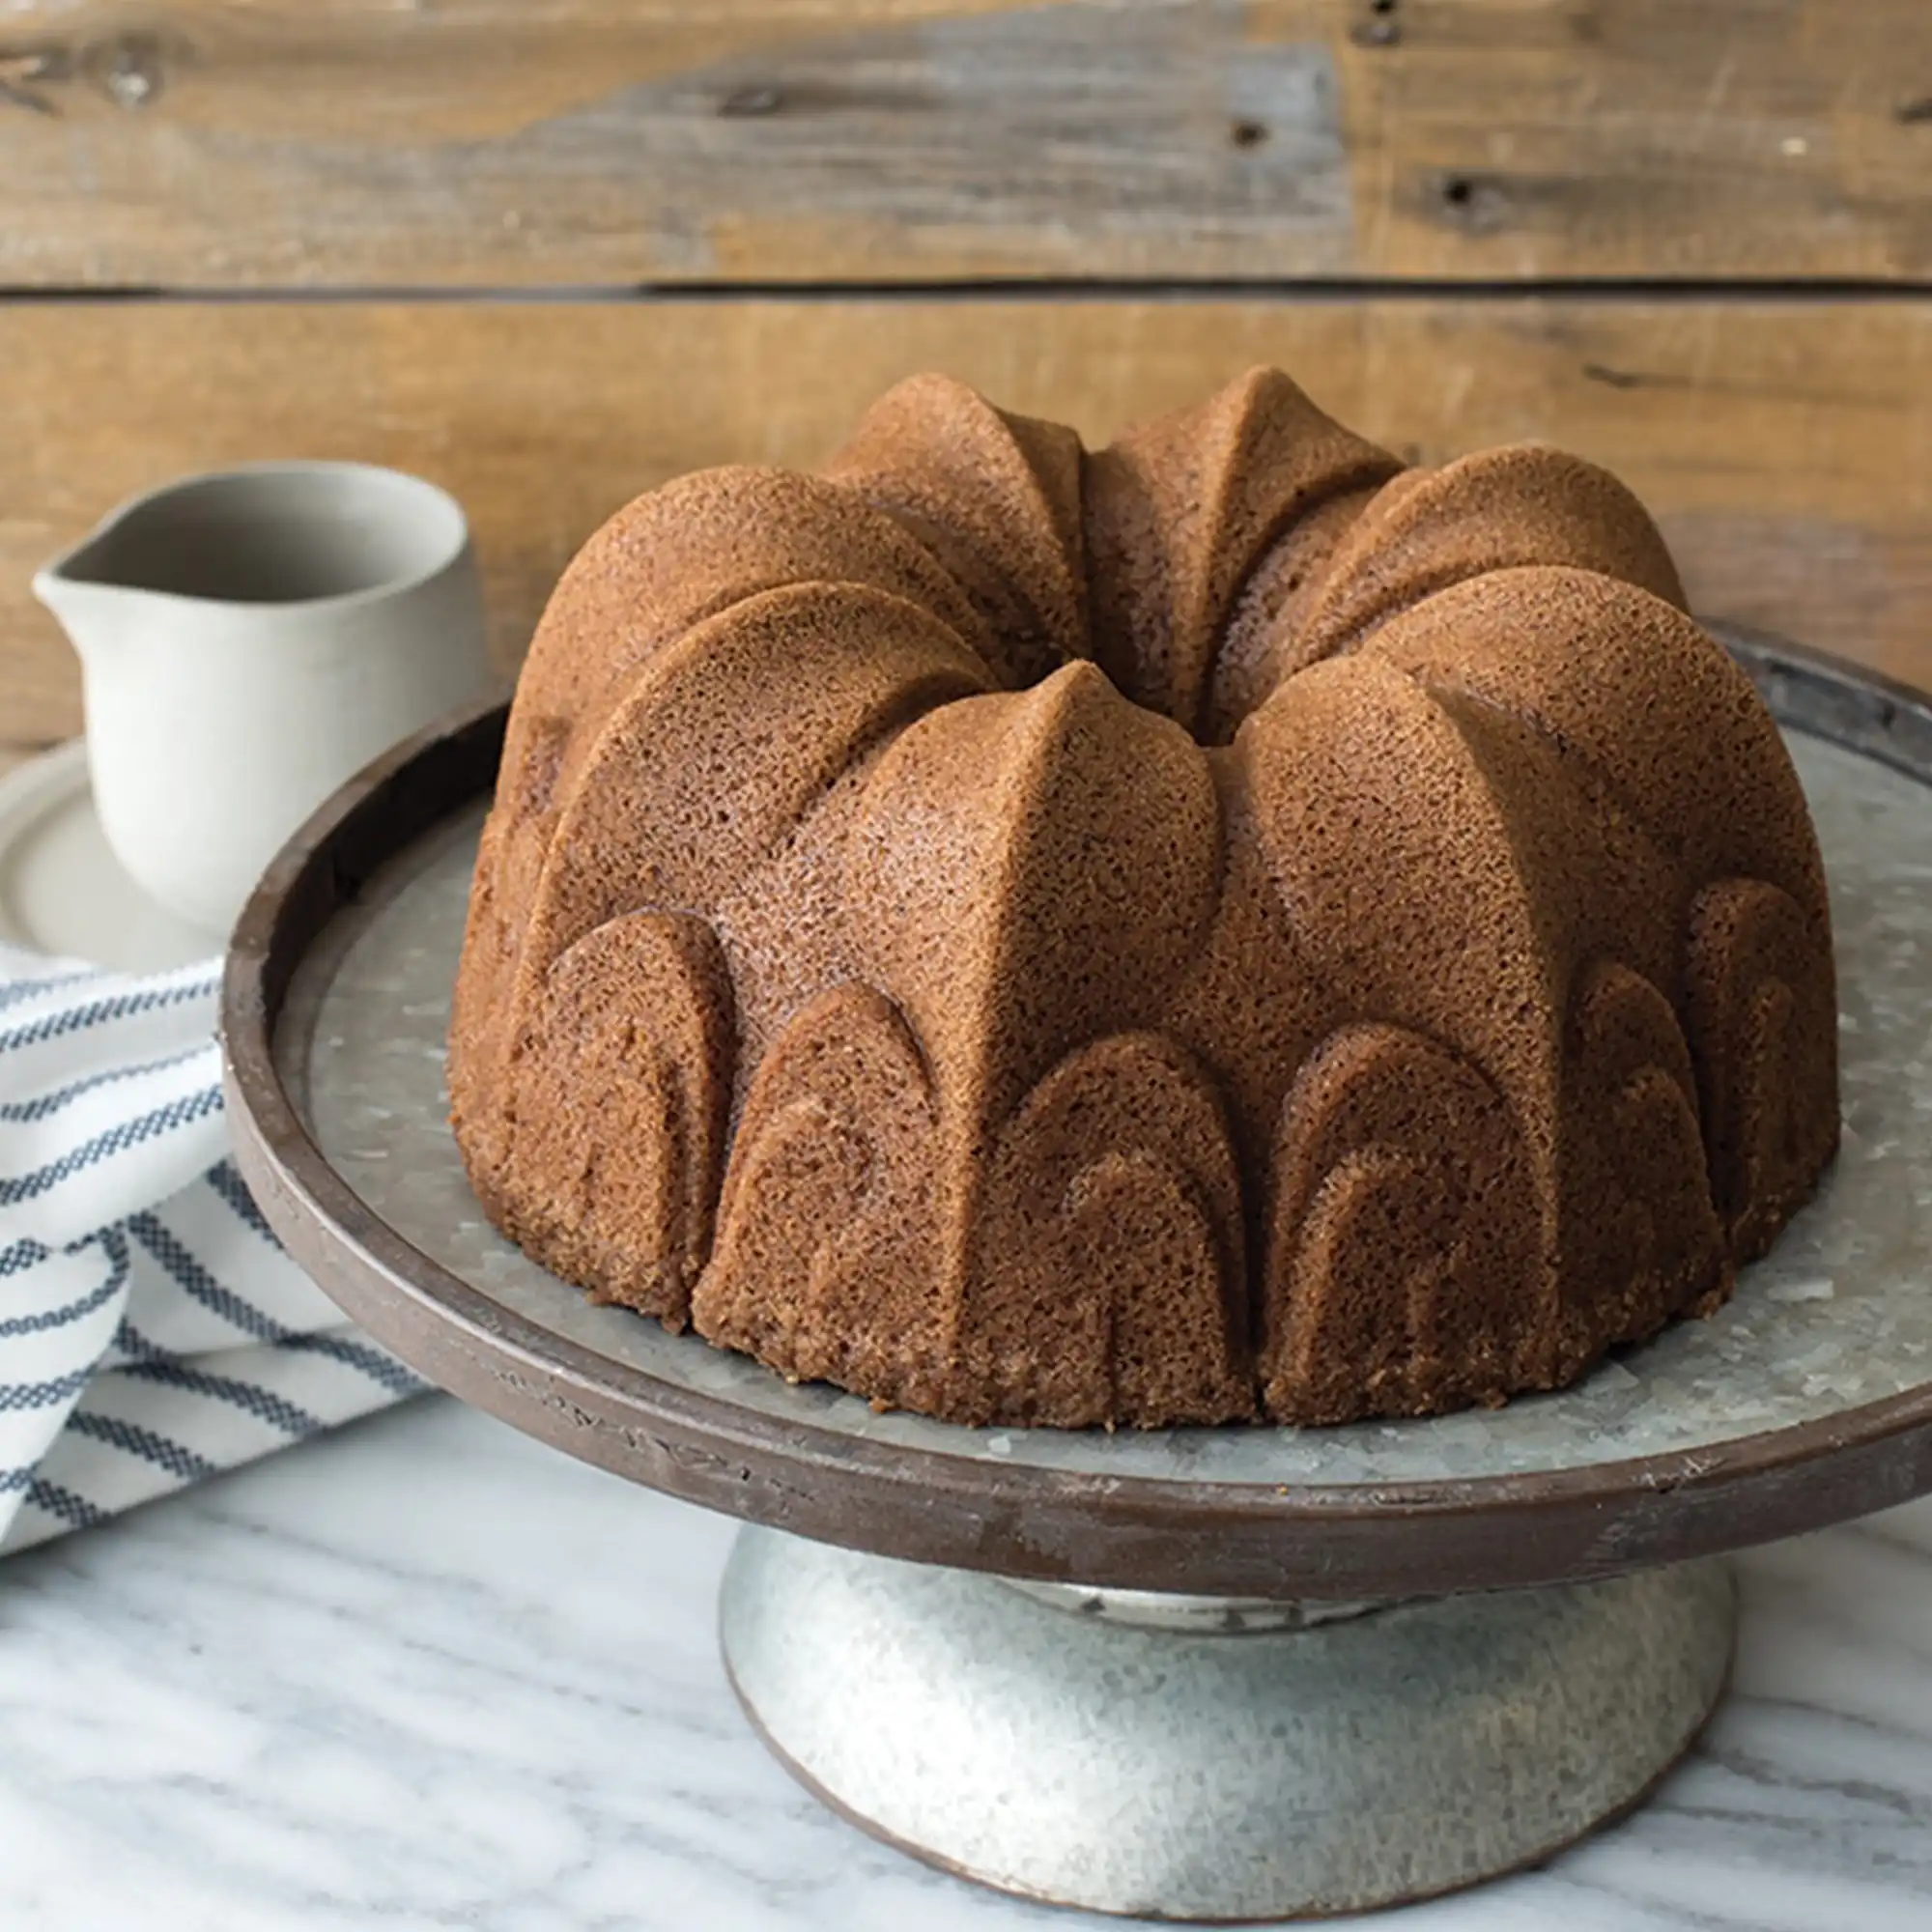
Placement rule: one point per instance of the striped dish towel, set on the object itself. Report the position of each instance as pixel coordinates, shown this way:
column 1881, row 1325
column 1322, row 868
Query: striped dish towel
column 152, row 1330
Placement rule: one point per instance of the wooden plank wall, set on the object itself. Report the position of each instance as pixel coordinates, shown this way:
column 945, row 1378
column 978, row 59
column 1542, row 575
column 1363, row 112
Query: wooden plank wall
column 552, row 252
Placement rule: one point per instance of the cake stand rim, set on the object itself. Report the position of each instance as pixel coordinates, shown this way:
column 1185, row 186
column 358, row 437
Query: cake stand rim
column 1141, row 1532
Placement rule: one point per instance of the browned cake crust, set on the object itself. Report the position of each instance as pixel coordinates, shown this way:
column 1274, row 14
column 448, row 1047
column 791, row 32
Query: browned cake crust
column 1224, row 927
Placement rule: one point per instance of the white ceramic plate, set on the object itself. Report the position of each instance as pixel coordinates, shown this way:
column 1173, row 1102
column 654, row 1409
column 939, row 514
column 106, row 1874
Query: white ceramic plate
column 62, row 891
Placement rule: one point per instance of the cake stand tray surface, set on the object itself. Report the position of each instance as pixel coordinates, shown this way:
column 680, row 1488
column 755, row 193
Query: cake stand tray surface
column 1216, row 1675
column 1806, row 1399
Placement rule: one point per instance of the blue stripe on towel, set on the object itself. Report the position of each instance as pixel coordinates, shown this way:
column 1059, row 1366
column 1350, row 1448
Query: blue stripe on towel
column 73, row 1311
column 44, row 1395
column 155, row 1365
column 195, row 1281
column 377, row 1366
column 16, row 1188
column 44, row 1105
column 124, row 1006
column 25, row 1253
column 22, row 990
column 233, row 1189
column 176, row 1457
column 76, row 1512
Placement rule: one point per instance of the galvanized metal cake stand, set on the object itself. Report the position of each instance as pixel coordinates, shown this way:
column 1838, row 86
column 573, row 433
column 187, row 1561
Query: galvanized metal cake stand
column 1212, row 1674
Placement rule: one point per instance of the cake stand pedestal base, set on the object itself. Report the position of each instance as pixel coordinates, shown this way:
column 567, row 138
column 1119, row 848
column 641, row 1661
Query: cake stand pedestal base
column 1209, row 1758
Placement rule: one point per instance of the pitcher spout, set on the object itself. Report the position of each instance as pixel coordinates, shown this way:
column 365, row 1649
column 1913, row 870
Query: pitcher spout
column 99, row 587
column 82, row 588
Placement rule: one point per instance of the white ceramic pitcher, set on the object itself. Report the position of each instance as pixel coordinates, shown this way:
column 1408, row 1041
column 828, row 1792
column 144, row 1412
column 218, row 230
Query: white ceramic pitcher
column 248, row 641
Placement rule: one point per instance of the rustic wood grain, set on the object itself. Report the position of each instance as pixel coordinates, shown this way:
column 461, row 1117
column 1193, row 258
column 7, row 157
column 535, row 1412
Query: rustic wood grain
column 1786, row 445
column 332, row 143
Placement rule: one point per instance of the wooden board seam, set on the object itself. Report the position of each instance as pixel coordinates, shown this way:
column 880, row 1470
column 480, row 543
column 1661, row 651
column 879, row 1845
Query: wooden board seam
column 1006, row 289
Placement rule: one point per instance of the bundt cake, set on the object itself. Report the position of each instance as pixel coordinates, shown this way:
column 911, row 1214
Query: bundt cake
column 1223, row 927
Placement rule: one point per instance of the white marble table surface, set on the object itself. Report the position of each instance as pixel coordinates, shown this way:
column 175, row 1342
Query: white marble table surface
column 429, row 1673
